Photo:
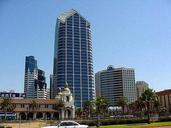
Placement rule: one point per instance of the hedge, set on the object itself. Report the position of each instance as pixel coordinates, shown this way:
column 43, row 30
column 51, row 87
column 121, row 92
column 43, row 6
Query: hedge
column 113, row 122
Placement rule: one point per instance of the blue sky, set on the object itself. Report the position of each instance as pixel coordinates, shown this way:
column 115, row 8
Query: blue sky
column 125, row 33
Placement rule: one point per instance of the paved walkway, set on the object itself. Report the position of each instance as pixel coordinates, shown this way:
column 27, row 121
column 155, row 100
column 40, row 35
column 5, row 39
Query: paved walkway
column 160, row 127
column 164, row 127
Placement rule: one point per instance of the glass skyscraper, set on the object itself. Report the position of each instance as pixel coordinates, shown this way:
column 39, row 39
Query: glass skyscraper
column 73, row 57
column 31, row 71
column 35, row 81
column 40, row 85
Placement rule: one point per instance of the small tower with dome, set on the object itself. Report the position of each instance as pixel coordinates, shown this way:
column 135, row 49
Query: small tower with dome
column 65, row 98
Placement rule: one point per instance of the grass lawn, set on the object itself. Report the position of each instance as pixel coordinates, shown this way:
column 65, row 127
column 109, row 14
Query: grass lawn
column 39, row 124
column 138, row 125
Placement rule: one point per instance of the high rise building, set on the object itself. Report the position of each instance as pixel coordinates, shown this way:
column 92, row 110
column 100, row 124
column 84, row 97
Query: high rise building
column 141, row 87
column 48, row 93
column 31, row 72
column 114, row 83
column 40, row 85
column 73, row 61
column 34, row 81
column 98, row 84
column 53, row 90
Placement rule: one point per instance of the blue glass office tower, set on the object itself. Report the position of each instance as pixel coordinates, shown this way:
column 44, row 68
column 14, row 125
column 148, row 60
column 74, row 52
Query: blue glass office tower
column 73, row 57
column 31, row 72
column 34, row 81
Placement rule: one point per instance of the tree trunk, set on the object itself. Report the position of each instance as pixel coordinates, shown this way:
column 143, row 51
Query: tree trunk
column 5, row 116
column 148, row 112
column 5, row 112
column 89, row 115
column 123, row 109
column 98, row 118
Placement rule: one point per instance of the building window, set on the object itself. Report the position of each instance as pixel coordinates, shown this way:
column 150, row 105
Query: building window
column 67, row 98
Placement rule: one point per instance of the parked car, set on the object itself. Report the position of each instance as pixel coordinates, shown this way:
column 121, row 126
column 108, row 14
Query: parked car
column 68, row 124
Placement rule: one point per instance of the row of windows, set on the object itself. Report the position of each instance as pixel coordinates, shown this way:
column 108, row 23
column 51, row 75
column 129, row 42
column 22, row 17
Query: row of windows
column 75, row 48
column 71, row 66
column 74, row 41
column 76, row 65
column 75, row 35
column 70, row 27
column 75, row 55
column 75, row 52
column 76, row 86
column 83, row 50
column 76, row 60
column 76, row 22
column 76, row 77
column 75, row 72
column 75, row 29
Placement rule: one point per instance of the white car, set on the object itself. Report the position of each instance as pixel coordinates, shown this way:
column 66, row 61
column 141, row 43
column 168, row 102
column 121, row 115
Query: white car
column 68, row 124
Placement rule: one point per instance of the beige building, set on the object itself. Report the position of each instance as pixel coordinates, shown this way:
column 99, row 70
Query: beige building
column 165, row 99
column 62, row 107
column 141, row 87
column 114, row 83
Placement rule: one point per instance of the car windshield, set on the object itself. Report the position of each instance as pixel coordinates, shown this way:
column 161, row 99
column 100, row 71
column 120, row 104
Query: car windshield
column 68, row 124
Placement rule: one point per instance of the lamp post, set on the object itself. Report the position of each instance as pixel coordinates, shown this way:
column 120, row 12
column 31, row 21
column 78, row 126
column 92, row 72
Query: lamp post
column 20, row 120
column 27, row 112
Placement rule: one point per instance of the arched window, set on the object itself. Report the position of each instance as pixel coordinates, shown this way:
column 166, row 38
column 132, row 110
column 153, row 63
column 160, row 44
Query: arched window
column 67, row 97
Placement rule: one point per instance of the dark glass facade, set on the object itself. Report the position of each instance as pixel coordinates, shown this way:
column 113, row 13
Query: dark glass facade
column 73, row 56
column 40, row 82
column 30, row 76
column 35, row 83
column 40, row 85
column 30, row 64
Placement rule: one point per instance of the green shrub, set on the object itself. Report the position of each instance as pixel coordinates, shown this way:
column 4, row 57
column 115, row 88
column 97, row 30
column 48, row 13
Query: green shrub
column 164, row 119
column 112, row 121
column 8, row 127
column 89, row 123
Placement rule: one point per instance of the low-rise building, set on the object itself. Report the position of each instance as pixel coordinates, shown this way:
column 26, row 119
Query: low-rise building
column 12, row 94
column 62, row 107
column 165, row 99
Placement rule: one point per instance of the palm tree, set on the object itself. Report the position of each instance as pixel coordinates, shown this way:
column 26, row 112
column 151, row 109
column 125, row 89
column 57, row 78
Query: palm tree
column 7, row 106
column 101, row 105
column 79, row 113
column 122, row 101
column 131, row 107
column 139, row 105
column 149, row 98
column 87, row 108
column 156, row 104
